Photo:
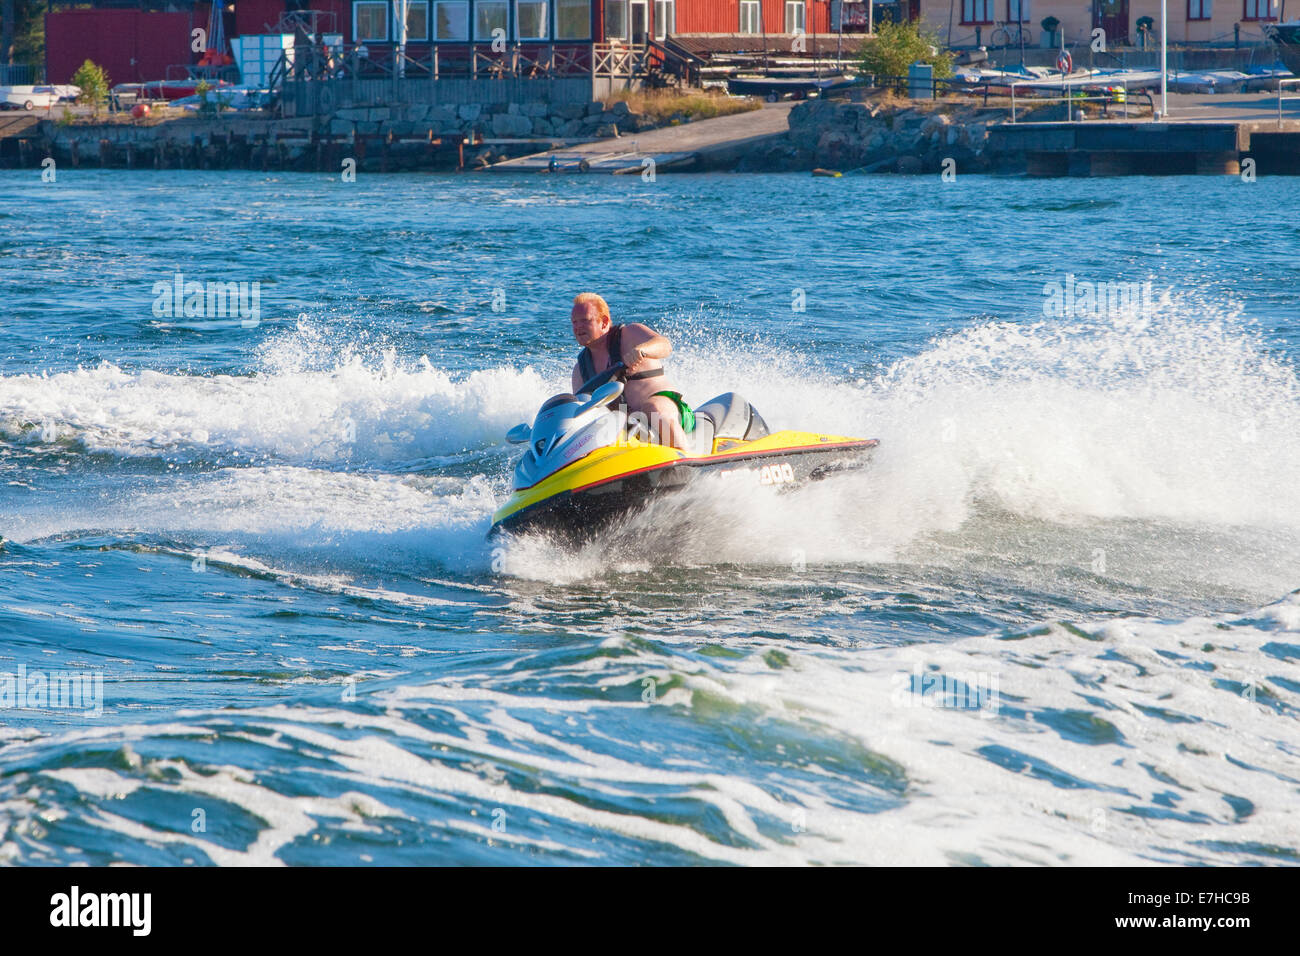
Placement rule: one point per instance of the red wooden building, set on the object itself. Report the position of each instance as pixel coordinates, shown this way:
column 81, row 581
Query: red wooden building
column 138, row 44
column 132, row 45
column 598, row 21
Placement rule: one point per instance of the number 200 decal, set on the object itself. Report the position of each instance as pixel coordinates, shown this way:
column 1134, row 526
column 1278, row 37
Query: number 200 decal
column 776, row 474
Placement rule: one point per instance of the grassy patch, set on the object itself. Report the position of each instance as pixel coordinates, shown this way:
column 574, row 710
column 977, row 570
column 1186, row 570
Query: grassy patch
column 662, row 105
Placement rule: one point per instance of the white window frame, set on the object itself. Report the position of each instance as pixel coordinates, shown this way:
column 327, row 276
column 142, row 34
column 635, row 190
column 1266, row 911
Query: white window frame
column 755, row 10
column 1021, row 8
column 585, row 5
column 483, row 4
column 545, row 20
column 800, row 7
column 611, row 5
column 411, row 5
column 356, row 33
column 433, row 21
column 665, row 18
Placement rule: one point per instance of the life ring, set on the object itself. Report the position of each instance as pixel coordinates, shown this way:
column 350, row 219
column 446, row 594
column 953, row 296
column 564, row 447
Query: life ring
column 1065, row 62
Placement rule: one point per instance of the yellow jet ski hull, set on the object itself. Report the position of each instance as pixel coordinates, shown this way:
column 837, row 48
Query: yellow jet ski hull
column 586, row 495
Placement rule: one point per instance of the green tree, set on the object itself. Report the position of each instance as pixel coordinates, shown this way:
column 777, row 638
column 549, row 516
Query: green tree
column 896, row 46
column 22, row 31
column 29, row 32
column 93, row 83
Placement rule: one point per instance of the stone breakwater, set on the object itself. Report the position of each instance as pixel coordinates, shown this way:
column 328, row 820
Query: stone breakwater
column 494, row 120
column 880, row 137
column 376, row 139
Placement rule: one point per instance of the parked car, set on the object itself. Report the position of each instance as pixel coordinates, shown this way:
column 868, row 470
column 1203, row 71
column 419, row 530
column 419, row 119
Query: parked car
column 27, row 97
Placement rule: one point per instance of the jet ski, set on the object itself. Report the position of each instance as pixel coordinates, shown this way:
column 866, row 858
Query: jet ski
column 588, row 463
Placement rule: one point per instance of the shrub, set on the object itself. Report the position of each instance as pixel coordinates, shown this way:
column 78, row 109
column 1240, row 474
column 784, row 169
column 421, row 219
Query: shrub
column 93, row 83
column 896, row 46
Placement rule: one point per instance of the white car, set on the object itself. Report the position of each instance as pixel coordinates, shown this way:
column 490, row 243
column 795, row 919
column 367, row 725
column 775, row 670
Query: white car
column 28, row 97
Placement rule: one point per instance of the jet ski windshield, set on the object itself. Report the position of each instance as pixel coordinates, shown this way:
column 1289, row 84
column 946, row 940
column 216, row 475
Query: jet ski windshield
column 556, row 400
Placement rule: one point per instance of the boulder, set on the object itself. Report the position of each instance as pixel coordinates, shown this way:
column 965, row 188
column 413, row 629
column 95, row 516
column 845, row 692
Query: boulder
column 934, row 121
column 353, row 115
column 340, row 127
column 595, row 109
column 542, row 127
column 511, row 125
column 380, row 114
column 606, row 131
column 571, row 129
column 570, row 111
column 619, row 109
column 534, row 110
column 909, row 165
column 469, row 112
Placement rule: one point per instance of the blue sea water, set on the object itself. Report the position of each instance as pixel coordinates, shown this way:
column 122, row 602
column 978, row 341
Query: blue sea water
column 1055, row 622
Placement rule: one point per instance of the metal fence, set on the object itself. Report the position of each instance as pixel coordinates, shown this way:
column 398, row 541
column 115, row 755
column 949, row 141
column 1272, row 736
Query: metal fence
column 21, row 74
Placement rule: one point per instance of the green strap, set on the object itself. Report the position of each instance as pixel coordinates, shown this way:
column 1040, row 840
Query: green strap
column 687, row 416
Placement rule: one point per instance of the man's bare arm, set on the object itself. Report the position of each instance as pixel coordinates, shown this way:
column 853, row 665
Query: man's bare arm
column 642, row 342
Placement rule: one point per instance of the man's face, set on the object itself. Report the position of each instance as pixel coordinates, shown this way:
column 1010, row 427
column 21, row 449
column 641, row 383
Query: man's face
column 588, row 324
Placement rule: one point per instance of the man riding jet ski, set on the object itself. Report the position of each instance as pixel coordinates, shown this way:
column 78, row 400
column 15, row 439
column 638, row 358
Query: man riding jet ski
column 641, row 350
column 589, row 463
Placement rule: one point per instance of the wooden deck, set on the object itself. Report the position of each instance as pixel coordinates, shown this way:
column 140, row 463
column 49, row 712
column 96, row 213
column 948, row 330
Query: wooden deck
column 18, row 125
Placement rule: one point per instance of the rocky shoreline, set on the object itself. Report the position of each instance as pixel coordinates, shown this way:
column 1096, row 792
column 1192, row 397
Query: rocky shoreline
column 377, row 139
column 869, row 135
column 880, row 137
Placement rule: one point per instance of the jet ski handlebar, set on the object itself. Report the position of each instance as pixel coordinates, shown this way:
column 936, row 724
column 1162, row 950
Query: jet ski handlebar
column 614, row 371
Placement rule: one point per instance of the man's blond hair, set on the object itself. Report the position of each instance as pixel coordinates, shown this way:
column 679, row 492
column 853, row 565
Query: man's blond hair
column 585, row 298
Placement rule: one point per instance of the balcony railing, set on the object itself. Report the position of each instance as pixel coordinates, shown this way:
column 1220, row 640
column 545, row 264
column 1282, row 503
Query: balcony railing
column 464, row 61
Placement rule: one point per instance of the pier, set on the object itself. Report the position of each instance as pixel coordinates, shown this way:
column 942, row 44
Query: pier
column 1206, row 134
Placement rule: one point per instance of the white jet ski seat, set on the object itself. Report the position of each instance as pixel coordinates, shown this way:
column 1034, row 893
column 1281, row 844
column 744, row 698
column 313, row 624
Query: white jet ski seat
column 728, row 416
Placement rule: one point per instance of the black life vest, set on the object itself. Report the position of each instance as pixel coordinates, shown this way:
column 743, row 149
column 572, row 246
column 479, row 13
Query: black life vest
column 614, row 345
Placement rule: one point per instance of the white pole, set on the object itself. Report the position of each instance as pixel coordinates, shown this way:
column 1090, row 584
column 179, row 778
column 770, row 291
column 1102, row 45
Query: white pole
column 871, row 10
column 1164, row 59
column 400, row 10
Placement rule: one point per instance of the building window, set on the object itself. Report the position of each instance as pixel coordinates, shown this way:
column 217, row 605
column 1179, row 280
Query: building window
column 572, row 20
column 615, row 19
column 794, row 16
column 1018, row 11
column 530, row 19
column 451, row 20
column 976, row 12
column 417, row 20
column 665, row 18
column 1200, row 9
column 370, row 21
column 750, row 14
column 1258, row 10
column 491, row 15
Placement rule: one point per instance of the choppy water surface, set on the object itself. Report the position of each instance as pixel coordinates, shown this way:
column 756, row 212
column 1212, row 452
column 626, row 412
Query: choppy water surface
column 1053, row 623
